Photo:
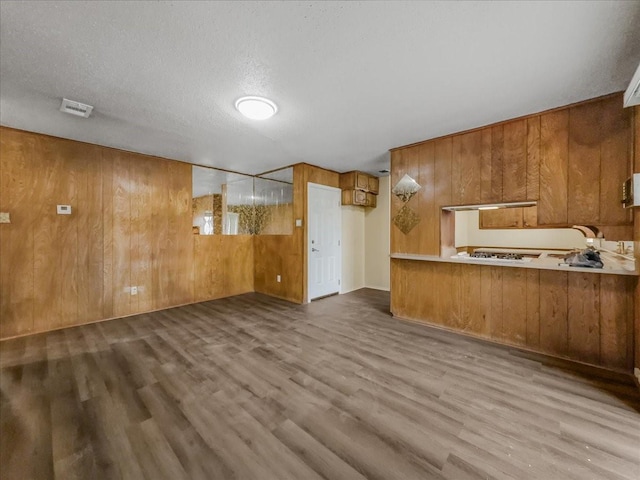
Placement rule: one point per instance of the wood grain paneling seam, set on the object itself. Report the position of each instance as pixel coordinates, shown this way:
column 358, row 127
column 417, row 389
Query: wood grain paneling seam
column 130, row 226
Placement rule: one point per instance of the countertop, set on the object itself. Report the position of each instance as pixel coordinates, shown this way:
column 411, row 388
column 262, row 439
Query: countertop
column 611, row 267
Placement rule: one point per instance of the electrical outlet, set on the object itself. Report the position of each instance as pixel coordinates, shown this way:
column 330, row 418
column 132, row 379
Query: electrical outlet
column 278, row 278
column 134, row 290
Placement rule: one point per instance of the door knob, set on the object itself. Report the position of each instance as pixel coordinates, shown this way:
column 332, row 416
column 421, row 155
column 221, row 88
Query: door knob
column 315, row 250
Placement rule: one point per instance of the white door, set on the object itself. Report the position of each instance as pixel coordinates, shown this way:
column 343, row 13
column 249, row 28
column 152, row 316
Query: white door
column 323, row 241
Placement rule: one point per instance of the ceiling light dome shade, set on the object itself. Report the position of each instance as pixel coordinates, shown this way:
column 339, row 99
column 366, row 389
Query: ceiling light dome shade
column 256, row 108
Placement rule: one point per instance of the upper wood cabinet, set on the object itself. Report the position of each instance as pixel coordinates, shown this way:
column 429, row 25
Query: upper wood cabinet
column 358, row 197
column 468, row 153
column 496, row 164
column 521, row 217
column 359, row 188
column 373, row 185
column 585, row 156
column 359, row 181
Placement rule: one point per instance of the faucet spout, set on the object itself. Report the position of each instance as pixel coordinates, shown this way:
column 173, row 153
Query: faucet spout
column 588, row 231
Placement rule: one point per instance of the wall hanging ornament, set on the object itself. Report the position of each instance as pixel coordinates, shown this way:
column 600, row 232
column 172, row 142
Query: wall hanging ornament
column 406, row 219
column 406, row 188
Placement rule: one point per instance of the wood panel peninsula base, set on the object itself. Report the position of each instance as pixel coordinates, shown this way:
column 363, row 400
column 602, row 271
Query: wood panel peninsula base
column 570, row 162
column 585, row 317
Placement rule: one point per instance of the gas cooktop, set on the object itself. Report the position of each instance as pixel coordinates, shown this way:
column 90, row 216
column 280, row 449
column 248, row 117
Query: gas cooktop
column 503, row 257
column 497, row 256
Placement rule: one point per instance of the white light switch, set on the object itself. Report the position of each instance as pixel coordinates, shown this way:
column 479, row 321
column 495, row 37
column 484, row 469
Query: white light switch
column 4, row 217
column 64, row 209
column 298, row 222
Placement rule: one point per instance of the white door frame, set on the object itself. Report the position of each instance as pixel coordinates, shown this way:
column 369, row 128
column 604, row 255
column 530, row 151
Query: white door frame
column 309, row 246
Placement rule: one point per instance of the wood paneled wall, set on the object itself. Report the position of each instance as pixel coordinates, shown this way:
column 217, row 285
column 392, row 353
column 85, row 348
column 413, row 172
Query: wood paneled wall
column 130, row 225
column 573, row 161
column 279, row 219
column 223, row 266
column 582, row 316
column 286, row 255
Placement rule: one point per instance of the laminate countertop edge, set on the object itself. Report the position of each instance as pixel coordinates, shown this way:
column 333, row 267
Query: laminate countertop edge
column 533, row 264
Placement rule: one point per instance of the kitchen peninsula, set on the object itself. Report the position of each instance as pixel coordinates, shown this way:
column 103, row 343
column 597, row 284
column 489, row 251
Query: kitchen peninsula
column 539, row 262
column 553, row 159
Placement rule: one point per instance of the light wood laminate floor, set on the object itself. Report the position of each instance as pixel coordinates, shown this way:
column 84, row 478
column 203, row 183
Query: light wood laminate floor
column 251, row 387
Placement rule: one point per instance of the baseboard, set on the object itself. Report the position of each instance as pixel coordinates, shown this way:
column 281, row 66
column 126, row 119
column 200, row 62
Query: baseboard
column 383, row 289
column 523, row 351
column 342, row 292
column 100, row 320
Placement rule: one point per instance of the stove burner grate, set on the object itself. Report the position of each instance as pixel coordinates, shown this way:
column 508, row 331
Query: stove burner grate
column 497, row 256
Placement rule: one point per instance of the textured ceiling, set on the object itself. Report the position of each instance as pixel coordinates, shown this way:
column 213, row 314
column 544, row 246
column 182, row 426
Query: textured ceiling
column 351, row 79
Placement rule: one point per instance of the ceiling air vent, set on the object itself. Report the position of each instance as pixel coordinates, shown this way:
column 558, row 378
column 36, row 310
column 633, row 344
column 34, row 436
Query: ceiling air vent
column 632, row 95
column 75, row 108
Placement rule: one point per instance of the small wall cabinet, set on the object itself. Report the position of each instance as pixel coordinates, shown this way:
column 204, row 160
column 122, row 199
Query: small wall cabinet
column 358, row 197
column 522, row 217
column 359, row 188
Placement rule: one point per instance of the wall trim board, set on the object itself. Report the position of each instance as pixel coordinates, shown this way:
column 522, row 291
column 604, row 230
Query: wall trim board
column 375, row 287
column 503, row 122
column 620, row 373
column 90, row 322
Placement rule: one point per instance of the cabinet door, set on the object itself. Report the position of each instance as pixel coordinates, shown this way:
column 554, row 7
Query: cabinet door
column 359, row 181
column 359, row 197
column 354, row 197
column 501, row 218
column 554, row 161
column 372, row 200
column 616, row 159
column 514, row 164
column 373, row 185
column 348, row 181
column 362, row 181
column 466, row 166
column 524, row 217
column 583, row 175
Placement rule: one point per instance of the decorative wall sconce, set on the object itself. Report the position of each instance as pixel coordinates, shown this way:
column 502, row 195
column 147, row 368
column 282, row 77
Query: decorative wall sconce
column 406, row 219
column 406, row 188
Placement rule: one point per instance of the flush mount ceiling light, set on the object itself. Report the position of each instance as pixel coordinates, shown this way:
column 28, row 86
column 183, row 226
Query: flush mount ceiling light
column 256, row 108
